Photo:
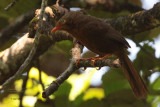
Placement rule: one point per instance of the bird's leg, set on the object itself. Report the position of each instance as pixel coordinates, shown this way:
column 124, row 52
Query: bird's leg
column 93, row 60
column 98, row 58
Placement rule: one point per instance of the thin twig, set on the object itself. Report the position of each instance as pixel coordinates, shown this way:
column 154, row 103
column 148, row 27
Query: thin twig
column 57, row 3
column 31, row 55
column 40, row 75
column 23, row 90
column 72, row 67
column 10, row 5
column 43, row 5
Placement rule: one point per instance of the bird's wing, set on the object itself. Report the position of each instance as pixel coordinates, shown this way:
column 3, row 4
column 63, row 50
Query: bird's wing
column 117, row 37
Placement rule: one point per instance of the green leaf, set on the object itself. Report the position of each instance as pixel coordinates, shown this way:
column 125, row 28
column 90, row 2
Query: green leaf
column 63, row 90
column 114, row 80
column 124, row 98
column 80, row 83
column 147, row 35
column 62, row 47
column 79, row 99
column 92, row 103
column 156, row 84
column 63, row 101
column 156, row 101
column 143, row 60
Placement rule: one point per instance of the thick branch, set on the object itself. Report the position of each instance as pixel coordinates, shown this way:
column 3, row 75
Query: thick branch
column 113, row 6
column 128, row 25
column 26, row 64
column 137, row 22
column 13, row 57
column 15, row 27
column 106, row 5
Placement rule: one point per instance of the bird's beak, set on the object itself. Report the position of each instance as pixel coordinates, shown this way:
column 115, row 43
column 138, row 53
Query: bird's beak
column 56, row 28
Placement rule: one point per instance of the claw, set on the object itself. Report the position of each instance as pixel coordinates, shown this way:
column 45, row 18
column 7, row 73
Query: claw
column 77, row 62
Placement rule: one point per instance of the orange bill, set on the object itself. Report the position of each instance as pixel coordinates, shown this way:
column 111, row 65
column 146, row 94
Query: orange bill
column 56, row 28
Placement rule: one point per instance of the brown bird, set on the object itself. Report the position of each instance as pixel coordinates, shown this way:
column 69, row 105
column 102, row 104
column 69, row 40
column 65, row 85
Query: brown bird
column 102, row 39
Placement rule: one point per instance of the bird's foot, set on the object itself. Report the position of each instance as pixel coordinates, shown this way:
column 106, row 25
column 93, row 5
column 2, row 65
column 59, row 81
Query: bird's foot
column 94, row 59
column 99, row 58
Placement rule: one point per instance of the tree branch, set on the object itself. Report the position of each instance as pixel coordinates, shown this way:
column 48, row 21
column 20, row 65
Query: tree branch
column 72, row 67
column 77, row 50
column 32, row 53
column 128, row 25
column 16, row 26
column 137, row 22
column 113, row 6
column 105, row 5
column 12, row 58
column 11, row 5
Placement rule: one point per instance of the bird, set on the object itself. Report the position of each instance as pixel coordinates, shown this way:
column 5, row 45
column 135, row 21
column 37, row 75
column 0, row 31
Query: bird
column 104, row 40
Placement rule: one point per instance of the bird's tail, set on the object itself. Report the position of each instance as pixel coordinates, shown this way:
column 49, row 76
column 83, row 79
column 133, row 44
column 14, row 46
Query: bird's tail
column 132, row 75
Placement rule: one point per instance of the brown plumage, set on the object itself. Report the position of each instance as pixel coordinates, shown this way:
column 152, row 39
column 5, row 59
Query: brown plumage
column 102, row 39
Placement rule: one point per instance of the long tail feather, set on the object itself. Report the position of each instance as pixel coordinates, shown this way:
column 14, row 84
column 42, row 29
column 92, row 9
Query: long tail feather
column 132, row 75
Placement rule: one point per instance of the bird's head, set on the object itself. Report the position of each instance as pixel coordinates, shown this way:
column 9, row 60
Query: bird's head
column 60, row 25
column 65, row 23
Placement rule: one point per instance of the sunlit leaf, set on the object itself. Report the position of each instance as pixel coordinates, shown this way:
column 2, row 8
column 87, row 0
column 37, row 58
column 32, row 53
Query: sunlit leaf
column 29, row 101
column 18, row 85
column 94, row 93
column 12, row 100
column 31, row 87
column 156, row 102
column 34, row 73
column 80, row 83
column 143, row 60
column 156, row 84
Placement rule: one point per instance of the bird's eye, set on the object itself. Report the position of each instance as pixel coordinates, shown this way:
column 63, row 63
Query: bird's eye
column 63, row 21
